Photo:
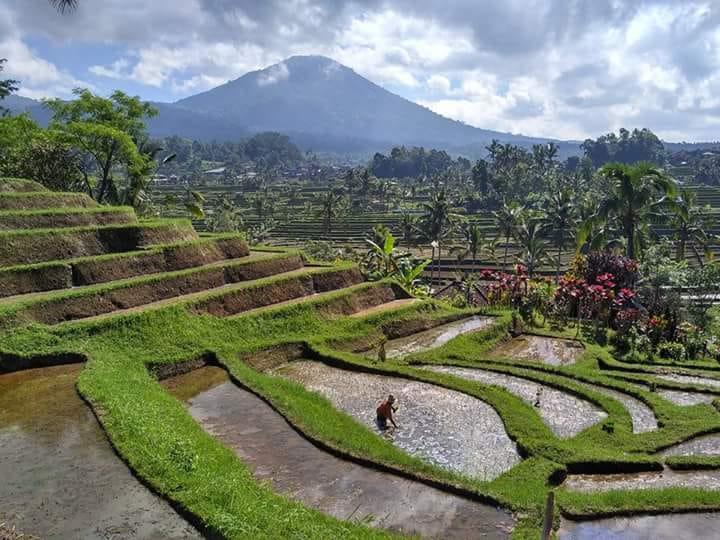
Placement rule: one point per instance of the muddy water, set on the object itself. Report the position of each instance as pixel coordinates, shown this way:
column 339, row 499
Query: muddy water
column 707, row 445
column 435, row 337
column 564, row 413
column 690, row 379
column 60, row 477
column 679, row 397
column 643, row 417
column 293, row 466
column 551, row 351
column 706, row 479
column 685, row 399
column 447, row 428
column 698, row 526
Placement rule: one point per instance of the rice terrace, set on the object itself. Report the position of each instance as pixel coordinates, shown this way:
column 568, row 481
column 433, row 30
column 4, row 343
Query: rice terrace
column 299, row 305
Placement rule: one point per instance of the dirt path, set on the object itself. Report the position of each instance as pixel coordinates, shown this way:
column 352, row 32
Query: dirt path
column 293, row 466
column 60, row 477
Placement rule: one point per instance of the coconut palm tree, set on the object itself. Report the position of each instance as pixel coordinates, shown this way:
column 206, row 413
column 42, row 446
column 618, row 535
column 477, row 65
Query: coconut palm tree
column 529, row 235
column 507, row 219
column 332, row 203
column 690, row 224
column 560, row 219
column 473, row 242
column 64, row 5
column 437, row 221
column 638, row 194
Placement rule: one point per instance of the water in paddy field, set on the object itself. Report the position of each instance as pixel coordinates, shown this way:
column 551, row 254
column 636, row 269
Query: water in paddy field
column 551, row 351
column 697, row 526
column 564, row 413
column 705, row 478
column 59, row 476
column 277, row 454
column 445, row 427
column 435, row 337
column 706, row 445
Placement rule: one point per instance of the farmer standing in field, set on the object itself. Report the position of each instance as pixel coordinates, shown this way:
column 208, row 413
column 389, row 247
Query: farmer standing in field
column 385, row 412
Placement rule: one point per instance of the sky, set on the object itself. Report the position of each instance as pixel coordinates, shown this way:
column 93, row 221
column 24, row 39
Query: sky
column 565, row 69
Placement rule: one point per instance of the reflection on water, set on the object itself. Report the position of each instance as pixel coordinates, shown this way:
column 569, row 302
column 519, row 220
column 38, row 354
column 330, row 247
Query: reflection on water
column 435, row 337
column 697, row 526
column 447, row 428
column 551, row 351
column 59, row 476
column 564, row 413
column 276, row 453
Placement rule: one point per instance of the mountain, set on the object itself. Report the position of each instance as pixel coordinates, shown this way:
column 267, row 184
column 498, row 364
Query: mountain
column 321, row 105
column 314, row 94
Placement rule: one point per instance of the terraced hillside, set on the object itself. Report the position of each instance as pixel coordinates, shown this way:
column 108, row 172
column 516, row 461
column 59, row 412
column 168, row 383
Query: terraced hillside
column 239, row 386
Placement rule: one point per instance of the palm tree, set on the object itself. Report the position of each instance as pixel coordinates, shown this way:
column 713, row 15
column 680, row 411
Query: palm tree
column 437, row 221
column 637, row 195
column 560, row 218
column 534, row 251
column 473, row 242
column 690, row 223
column 408, row 225
column 507, row 219
column 64, row 5
column 331, row 206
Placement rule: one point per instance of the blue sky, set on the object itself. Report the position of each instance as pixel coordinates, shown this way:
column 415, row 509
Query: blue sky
column 567, row 69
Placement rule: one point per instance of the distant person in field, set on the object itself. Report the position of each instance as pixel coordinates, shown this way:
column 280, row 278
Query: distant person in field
column 385, row 412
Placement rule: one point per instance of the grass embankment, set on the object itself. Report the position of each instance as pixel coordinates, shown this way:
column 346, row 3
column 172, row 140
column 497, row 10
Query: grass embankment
column 67, row 217
column 34, row 200
column 29, row 246
column 168, row 449
column 171, row 452
column 609, row 446
column 81, row 271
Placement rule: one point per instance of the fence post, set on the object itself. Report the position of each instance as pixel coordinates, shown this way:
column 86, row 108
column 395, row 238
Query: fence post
column 549, row 510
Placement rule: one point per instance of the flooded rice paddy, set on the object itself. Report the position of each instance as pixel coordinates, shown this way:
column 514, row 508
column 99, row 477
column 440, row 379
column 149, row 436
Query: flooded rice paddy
column 551, row 351
column 706, row 479
column 447, row 428
column 435, row 337
column 564, row 413
column 643, row 417
column 690, row 379
column 660, row 527
column 59, row 475
column 277, row 454
column 706, row 445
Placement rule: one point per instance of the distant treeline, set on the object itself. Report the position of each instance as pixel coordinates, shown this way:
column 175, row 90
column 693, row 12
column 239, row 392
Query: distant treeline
column 267, row 150
column 414, row 162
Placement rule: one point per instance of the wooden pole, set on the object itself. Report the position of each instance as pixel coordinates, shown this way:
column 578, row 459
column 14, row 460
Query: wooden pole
column 549, row 511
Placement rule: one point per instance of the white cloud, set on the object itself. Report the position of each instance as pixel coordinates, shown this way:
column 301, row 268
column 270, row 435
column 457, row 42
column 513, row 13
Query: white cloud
column 273, row 75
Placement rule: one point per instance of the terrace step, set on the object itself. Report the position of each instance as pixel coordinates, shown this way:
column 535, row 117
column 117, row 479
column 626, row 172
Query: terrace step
column 20, row 185
column 38, row 200
column 236, row 298
column 93, row 300
column 72, row 217
column 41, row 245
column 387, row 306
column 64, row 274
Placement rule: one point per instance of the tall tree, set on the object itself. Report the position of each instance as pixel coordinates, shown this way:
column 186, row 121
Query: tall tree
column 638, row 195
column 107, row 131
column 690, row 223
column 560, row 219
column 529, row 235
column 438, row 219
column 507, row 220
column 7, row 87
column 332, row 203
